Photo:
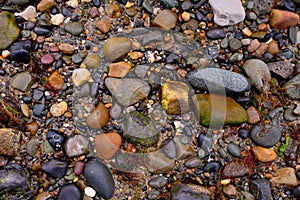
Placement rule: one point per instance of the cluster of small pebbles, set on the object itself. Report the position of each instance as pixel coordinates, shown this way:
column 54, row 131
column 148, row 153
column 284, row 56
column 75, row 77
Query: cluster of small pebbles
column 149, row 99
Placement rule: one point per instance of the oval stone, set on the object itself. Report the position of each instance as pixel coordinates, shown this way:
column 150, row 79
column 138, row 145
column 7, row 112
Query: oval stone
column 265, row 135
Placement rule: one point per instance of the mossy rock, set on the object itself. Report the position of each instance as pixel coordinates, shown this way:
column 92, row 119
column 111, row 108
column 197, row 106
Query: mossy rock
column 9, row 31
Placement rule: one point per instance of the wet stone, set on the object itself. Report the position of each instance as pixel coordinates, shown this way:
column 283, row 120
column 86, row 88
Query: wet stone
column 11, row 141
column 41, row 31
column 21, row 81
column 74, row 28
column 166, row 20
column 212, row 166
column 261, row 189
column 265, row 135
column 169, row 149
column 205, row 141
column 100, row 178
column 282, row 68
column 285, row 176
column 234, row 44
column 107, row 144
column 56, row 139
column 292, row 33
column 296, row 191
column 80, row 76
column 212, row 52
column 32, row 146
column 69, row 192
column 264, row 154
column 20, row 51
column 116, row 48
column 59, row 109
column 157, row 182
column 76, row 146
column 216, row 33
column 193, row 162
column 55, row 168
column 292, row 87
column 99, row 117
column 169, row 3
column 12, row 180
column 47, row 59
column 190, row 192
column 38, row 110
column 234, row 149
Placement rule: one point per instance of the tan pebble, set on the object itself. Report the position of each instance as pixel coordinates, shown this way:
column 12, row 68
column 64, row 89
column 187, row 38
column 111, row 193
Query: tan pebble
column 253, row 115
column 59, row 109
column 107, row 144
column 264, row 154
column 119, row 69
column 25, row 110
column 186, row 16
column 98, row 117
column 66, row 48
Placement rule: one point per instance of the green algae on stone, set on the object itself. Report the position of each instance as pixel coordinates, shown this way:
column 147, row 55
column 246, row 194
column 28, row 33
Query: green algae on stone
column 9, row 31
column 140, row 129
column 216, row 110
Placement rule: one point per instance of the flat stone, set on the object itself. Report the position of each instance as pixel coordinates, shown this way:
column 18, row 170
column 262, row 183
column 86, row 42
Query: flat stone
column 227, row 12
column 57, row 19
column 11, row 141
column 158, row 182
column 140, row 129
column 99, row 117
column 103, row 25
column 55, row 81
column 66, row 48
column 282, row 68
column 158, row 163
column 264, row 154
column 45, row 5
column 92, row 61
column 217, row 80
column 128, row 91
column 215, row 33
column 55, row 168
column 265, row 135
column 215, row 110
column 169, row 3
column 292, row 87
column 116, row 48
column 190, row 192
column 74, row 28
column 9, row 29
column 193, row 162
column 285, row 176
column 281, row 19
column 69, row 192
column 21, row 81
column 253, row 115
column 233, row 149
column 59, row 109
column 166, row 19
column 259, row 74
column 76, row 146
column 28, row 14
column 107, row 144
column 261, row 189
column 119, row 69
column 80, row 76
column 175, row 97
column 233, row 170
column 99, row 177
column 13, row 180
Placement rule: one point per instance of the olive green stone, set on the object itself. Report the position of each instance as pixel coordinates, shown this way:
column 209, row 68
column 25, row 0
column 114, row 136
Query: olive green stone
column 116, row 48
column 9, row 31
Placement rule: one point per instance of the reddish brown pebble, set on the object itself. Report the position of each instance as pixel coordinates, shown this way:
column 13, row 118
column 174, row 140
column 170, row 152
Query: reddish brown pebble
column 79, row 167
column 107, row 144
column 253, row 46
column 262, row 49
column 233, row 169
column 103, row 25
column 119, row 69
column 66, row 48
column 54, row 49
column 93, row 12
column 98, row 117
column 281, row 19
column 273, row 48
column 32, row 127
column 55, row 81
column 253, row 115
column 47, row 59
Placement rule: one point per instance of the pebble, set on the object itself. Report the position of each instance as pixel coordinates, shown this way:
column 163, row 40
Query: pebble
column 234, row 44
column 296, row 191
column 218, row 80
column 93, row 12
column 45, row 5
column 90, row 192
column 69, row 192
column 74, row 28
column 103, row 25
column 56, row 139
column 281, row 19
column 169, row 149
column 297, row 109
column 169, row 3
column 20, row 51
column 107, row 144
column 119, row 69
column 292, row 87
column 59, row 109
column 186, row 16
column 99, row 117
column 92, row 61
column 25, row 109
column 212, row 52
column 193, row 162
column 205, row 142
column 66, row 48
column 55, row 81
column 80, row 76
column 261, row 189
column 29, row 14
column 57, row 19
column 175, row 97
column 55, row 168
column 246, row 42
column 233, row 169
column 186, row 5
column 99, row 177
column 265, row 135
column 166, row 20
column 32, row 146
column 140, row 129
column 13, row 180
column 273, row 47
column 158, row 182
column 47, row 59
column 79, row 167
column 38, row 110
column 136, row 90
column 190, row 192
column 226, row 12
column 76, row 146
column 20, row 2
column 285, row 176
column 253, row 45
column 11, row 141
column 234, row 149
column 230, row 190
column 264, row 154
column 41, row 31
column 292, row 34
column 215, row 33
column 114, row 10
column 253, row 115
column 115, row 111
column 282, row 68
column 259, row 73
column 224, row 43
column 116, row 48
column 212, row 166
column 21, row 81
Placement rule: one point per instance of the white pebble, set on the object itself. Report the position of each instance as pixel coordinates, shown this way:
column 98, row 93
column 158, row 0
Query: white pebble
column 90, row 192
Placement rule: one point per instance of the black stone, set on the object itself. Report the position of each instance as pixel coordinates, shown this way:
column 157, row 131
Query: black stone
column 123, row 2
column 296, row 191
column 100, row 178
column 265, row 135
column 55, row 168
column 298, row 175
column 261, row 189
column 38, row 110
column 205, row 141
column 140, row 3
column 215, row 33
column 20, row 51
column 212, row 166
column 41, row 31
column 243, row 133
column 56, row 139
column 69, row 192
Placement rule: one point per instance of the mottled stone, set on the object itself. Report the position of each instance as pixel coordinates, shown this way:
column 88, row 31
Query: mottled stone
column 103, row 25
column 92, row 61
column 281, row 19
column 107, row 144
column 66, row 48
column 253, row 115
column 119, row 69
column 76, row 146
column 233, row 169
column 80, row 76
column 13, row 180
column 59, row 109
column 21, row 81
column 11, row 141
column 292, row 87
column 55, row 81
column 282, row 68
column 9, row 29
column 285, row 176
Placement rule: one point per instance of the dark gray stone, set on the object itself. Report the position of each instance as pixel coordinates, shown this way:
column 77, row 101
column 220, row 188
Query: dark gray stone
column 169, row 149
column 234, row 44
column 157, row 182
column 12, row 180
column 265, row 135
column 20, row 51
column 193, row 162
column 282, row 68
column 292, row 87
column 69, row 192
column 74, row 28
column 169, row 3
column 233, row 149
column 55, row 168
column 261, row 189
column 189, row 192
column 215, row 33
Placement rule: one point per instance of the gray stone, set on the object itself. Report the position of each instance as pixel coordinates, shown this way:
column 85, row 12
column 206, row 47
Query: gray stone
column 92, row 61
column 218, row 80
column 55, row 168
column 189, row 192
column 265, row 135
column 193, row 162
column 289, row 115
column 170, row 149
column 224, row 43
column 261, row 189
column 100, row 178
column 32, row 146
column 259, row 74
column 234, row 44
column 77, row 146
column 140, row 129
column 20, row 2
column 292, row 87
column 215, row 33
column 227, row 12
column 152, row 37
column 69, row 192
column 74, row 28
column 282, row 68
column 116, row 48
column 292, row 34
column 9, row 29
column 21, row 81
column 128, row 91
column 262, row 7
column 12, row 180
column 234, row 149
column 157, row 182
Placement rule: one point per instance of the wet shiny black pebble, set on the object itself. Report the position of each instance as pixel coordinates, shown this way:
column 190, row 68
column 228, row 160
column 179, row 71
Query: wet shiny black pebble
column 69, row 192
column 56, row 139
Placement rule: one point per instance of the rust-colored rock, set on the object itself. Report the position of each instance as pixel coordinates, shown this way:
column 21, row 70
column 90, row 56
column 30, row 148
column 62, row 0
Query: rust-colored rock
column 107, row 144
column 55, row 81
column 119, row 69
column 234, row 169
column 103, row 25
column 10, row 140
column 264, row 154
column 281, row 19
column 98, row 117
column 253, row 45
column 253, row 115
column 66, row 48
column 273, row 47
column 32, row 127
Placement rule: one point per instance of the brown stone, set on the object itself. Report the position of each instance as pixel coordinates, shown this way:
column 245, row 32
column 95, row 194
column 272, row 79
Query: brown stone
column 119, row 69
column 103, row 25
column 33, row 127
column 45, row 5
column 98, row 117
column 263, row 27
column 55, row 81
column 10, row 140
column 264, row 154
column 234, row 169
column 107, row 144
column 281, row 19
column 273, row 48
column 285, row 176
column 253, row 115
column 262, row 49
column 114, row 10
column 230, row 190
column 94, row 12
column 166, row 19
column 116, row 48
column 66, row 48
column 253, row 45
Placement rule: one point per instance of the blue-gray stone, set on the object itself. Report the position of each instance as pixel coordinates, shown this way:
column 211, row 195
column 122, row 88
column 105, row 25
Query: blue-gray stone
column 265, row 135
